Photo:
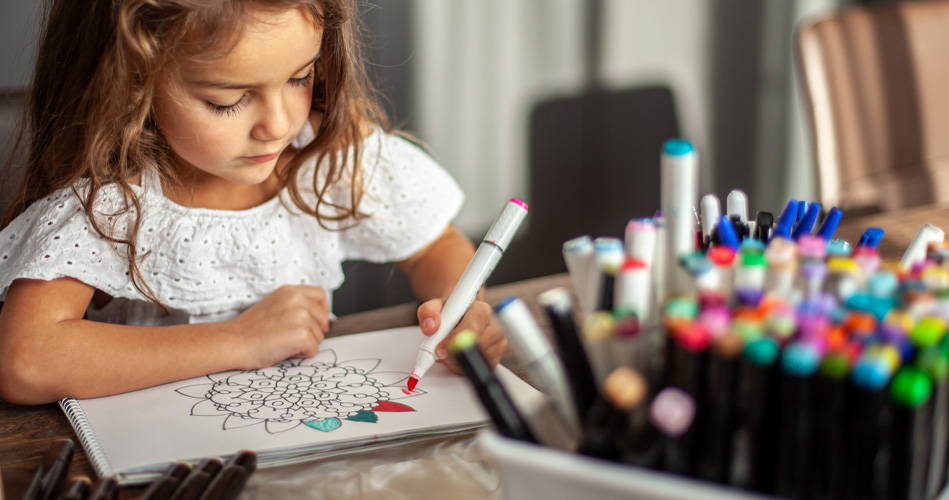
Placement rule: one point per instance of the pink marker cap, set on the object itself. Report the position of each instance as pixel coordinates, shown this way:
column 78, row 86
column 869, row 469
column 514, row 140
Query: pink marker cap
column 519, row 203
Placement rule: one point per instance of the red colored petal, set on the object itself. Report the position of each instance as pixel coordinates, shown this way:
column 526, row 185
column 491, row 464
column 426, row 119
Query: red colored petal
column 392, row 406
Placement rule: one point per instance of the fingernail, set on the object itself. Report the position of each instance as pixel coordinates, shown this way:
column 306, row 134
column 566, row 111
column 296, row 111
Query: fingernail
column 441, row 352
column 428, row 324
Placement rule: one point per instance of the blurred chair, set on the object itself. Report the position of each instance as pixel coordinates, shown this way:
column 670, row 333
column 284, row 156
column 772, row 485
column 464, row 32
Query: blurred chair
column 875, row 82
column 594, row 165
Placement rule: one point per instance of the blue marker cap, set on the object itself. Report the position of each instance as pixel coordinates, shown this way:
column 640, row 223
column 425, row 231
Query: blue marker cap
column 883, row 284
column 751, row 245
column 801, row 210
column 829, row 226
column 696, row 263
column 800, row 359
column 504, row 303
column 726, row 233
column 807, row 223
column 607, row 244
column 677, row 147
column 871, row 372
column 838, row 248
column 786, row 221
column 871, row 238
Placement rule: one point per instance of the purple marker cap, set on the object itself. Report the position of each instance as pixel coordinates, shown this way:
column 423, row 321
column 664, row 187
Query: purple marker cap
column 888, row 332
column 827, row 302
column 715, row 319
column 813, row 270
column 750, row 297
column 812, row 324
column 810, row 306
column 672, row 411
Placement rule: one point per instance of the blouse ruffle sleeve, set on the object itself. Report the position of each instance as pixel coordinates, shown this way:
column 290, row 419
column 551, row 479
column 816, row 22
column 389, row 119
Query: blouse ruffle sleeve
column 409, row 199
column 53, row 239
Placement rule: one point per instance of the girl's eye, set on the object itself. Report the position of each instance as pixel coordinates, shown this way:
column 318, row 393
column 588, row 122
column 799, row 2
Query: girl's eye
column 303, row 82
column 228, row 110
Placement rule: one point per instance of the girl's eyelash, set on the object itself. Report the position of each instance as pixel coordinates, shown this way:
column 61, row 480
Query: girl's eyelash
column 235, row 108
column 228, row 110
column 303, row 82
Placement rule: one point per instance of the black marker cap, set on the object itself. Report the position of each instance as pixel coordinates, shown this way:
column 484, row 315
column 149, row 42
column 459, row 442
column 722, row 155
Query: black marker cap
column 763, row 224
column 491, row 392
column 107, row 488
column 78, row 489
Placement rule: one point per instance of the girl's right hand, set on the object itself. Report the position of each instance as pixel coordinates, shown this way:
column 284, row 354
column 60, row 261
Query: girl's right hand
column 289, row 323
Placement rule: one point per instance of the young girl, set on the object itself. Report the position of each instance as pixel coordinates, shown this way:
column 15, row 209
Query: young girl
column 196, row 171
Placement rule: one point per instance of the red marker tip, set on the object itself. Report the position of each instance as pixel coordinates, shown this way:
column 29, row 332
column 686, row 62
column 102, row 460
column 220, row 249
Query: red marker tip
column 413, row 381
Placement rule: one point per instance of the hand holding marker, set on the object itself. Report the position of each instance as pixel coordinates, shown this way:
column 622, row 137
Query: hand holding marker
column 472, row 280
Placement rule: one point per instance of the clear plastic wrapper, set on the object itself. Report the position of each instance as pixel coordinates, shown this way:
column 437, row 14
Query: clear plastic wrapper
column 435, row 468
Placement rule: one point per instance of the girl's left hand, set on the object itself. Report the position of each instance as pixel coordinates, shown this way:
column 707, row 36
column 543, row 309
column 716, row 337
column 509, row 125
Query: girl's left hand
column 479, row 318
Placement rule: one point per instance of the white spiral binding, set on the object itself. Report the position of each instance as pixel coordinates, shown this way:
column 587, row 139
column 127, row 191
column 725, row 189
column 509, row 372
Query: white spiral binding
column 87, row 436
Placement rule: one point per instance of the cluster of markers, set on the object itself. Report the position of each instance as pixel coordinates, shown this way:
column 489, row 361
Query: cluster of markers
column 209, row 479
column 817, row 370
column 785, row 362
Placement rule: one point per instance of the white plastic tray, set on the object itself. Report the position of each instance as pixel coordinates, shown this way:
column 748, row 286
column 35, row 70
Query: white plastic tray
column 530, row 471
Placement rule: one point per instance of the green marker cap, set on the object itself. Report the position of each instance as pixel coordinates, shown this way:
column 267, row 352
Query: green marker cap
column 944, row 345
column 762, row 352
column 462, row 341
column 753, row 259
column 911, row 387
column 835, row 366
column 934, row 362
column 748, row 330
column 928, row 331
column 679, row 307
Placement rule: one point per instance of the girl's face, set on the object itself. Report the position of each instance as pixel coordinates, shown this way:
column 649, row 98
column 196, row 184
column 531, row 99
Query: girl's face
column 228, row 121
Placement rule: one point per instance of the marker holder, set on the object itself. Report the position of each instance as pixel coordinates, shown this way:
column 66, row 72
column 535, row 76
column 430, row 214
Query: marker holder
column 533, row 471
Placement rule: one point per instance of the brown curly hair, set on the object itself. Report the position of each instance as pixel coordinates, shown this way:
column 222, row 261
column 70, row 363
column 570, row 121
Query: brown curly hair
column 88, row 113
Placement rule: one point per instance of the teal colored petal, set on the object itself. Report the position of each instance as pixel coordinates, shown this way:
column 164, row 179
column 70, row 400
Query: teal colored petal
column 364, row 416
column 323, row 425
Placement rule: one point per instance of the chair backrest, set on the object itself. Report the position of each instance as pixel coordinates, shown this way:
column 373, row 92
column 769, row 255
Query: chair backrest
column 594, row 165
column 875, row 81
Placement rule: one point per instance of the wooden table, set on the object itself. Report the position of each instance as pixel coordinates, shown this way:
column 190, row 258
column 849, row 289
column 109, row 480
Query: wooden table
column 900, row 227
column 27, row 431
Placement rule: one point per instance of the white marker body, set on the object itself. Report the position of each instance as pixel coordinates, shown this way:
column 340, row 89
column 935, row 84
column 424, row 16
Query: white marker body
column 711, row 212
column 709, row 281
column 659, row 267
column 916, row 251
column 537, row 355
column 640, row 241
column 608, row 254
column 472, row 280
column 633, row 293
column 679, row 179
column 579, row 257
column 737, row 203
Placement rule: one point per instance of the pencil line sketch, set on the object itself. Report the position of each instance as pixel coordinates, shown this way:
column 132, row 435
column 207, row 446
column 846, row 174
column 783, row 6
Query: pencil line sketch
column 320, row 393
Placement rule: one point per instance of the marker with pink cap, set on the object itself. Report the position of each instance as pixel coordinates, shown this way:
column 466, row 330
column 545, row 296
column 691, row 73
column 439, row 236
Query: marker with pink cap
column 493, row 246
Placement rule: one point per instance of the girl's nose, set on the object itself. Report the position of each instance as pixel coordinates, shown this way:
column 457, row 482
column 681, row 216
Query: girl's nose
column 273, row 122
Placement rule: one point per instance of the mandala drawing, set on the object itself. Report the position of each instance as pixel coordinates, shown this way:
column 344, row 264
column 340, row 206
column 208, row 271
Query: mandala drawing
column 319, row 393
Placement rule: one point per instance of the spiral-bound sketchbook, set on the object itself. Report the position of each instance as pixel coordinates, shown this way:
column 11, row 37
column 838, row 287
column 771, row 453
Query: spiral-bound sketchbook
column 350, row 396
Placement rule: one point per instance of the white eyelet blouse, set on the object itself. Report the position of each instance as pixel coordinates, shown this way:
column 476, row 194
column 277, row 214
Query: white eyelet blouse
column 209, row 265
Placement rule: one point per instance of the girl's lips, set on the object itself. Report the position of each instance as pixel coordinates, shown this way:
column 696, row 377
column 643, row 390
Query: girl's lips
column 263, row 158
